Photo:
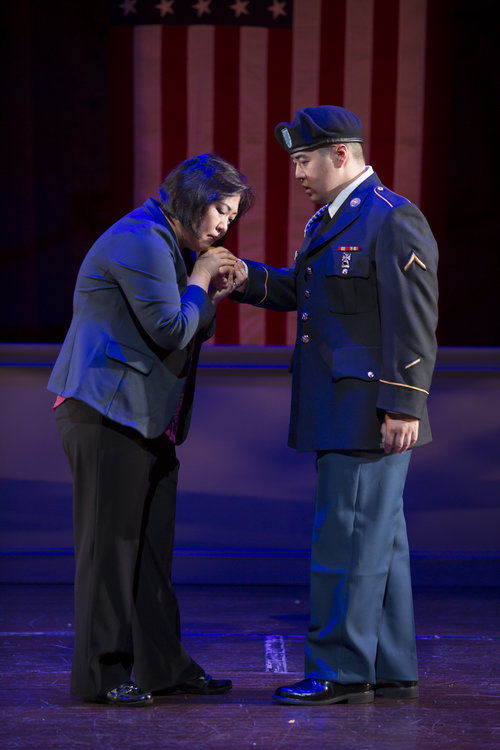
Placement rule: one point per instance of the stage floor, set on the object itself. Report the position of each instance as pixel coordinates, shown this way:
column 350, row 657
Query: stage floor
column 255, row 636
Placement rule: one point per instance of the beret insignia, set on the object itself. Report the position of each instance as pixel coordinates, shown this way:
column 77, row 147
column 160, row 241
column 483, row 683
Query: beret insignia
column 286, row 137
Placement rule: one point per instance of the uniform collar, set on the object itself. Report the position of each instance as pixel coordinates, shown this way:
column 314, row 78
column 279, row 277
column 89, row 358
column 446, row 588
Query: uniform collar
column 345, row 193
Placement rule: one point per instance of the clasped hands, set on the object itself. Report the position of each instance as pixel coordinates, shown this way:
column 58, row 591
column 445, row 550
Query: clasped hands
column 220, row 271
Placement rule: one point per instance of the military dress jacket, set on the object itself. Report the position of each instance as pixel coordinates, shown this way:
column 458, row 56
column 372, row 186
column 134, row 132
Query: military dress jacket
column 364, row 285
column 131, row 349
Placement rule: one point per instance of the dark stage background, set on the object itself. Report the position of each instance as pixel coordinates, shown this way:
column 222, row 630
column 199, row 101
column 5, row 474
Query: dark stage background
column 97, row 107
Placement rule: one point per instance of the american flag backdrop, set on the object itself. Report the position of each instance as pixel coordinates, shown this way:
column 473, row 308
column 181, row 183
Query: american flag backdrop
column 102, row 97
column 189, row 76
column 168, row 79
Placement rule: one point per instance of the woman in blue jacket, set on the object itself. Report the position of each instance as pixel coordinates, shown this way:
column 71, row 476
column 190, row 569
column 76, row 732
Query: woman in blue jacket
column 145, row 299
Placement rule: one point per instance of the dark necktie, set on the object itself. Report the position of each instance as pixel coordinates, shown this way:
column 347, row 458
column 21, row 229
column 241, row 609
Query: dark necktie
column 315, row 218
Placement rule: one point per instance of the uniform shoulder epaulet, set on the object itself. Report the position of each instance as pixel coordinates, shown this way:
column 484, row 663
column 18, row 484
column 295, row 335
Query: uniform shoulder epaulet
column 390, row 198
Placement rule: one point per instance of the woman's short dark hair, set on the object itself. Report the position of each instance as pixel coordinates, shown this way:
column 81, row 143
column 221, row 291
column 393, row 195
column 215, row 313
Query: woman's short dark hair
column 192, row 185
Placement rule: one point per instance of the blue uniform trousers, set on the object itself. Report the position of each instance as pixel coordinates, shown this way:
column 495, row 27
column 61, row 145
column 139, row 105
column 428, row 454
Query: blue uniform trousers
column 362, row 626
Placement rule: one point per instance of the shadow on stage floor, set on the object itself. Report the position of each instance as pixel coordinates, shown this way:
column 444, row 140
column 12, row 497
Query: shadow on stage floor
column 255, row 635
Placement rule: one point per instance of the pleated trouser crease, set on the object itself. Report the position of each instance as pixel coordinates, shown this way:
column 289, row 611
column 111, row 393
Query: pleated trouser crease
column 362, row 624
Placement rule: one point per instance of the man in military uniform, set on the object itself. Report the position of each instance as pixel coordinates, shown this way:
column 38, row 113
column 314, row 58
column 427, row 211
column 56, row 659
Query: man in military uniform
column 365, row 289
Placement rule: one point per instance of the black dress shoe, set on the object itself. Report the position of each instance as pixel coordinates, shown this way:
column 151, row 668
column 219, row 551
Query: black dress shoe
column 311, row 692
column 129, row 694
column 402, row 689
column 203, row 685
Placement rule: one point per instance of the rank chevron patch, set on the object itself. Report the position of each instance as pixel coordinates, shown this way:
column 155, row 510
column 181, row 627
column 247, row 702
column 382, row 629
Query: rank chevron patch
column 414, row 258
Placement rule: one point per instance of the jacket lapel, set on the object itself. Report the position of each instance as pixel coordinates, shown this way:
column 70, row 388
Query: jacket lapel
column 349, row 212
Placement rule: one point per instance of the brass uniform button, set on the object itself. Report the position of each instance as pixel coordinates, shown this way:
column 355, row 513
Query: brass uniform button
column 305, row 316
column 307, row 294
column 305, row 339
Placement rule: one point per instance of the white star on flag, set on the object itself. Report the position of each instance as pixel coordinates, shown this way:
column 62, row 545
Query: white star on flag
column 240, row 7
column 165, row 7
column 277, row 9
column 128, row 6
column 202, row 6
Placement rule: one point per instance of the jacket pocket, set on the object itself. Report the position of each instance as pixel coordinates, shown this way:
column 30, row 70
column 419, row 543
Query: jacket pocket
column 350, row 283
column 126, row 355
column 361, row 362
column 347, row 263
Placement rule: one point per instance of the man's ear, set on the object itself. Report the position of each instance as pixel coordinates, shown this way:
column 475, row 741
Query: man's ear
column 341, row 154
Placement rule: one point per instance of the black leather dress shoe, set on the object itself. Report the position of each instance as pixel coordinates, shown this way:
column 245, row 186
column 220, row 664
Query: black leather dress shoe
column 311, row 692
column 203, row 685
column 129, row 694
column 402, row 689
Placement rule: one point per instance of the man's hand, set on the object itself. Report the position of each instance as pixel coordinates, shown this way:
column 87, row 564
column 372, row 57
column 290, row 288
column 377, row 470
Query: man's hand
column 240, row 277
column 399, row 432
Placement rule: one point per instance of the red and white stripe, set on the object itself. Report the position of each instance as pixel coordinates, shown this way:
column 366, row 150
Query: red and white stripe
column 204, row 88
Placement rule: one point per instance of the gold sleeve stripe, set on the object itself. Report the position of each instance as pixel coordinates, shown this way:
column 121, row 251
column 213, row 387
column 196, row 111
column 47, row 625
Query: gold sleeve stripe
column 403, row 385
column 265, row 286
column 414, row 257
column 415, row 362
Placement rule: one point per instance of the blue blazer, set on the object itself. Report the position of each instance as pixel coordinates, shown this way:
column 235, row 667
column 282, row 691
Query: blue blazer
column 136, row 327
column 364, row 286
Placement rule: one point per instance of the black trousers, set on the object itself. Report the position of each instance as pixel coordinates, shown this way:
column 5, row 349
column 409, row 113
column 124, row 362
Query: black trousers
column 126, row 612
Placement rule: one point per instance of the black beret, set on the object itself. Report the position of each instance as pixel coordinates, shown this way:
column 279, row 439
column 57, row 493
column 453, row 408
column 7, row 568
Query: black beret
column 318, row 126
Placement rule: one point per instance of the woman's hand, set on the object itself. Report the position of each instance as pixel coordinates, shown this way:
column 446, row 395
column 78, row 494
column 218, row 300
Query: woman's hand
column 223, row 285
column 213, row 267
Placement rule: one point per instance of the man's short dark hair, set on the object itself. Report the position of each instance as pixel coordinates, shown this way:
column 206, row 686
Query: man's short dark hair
column 356, row 149
column 187, row 191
